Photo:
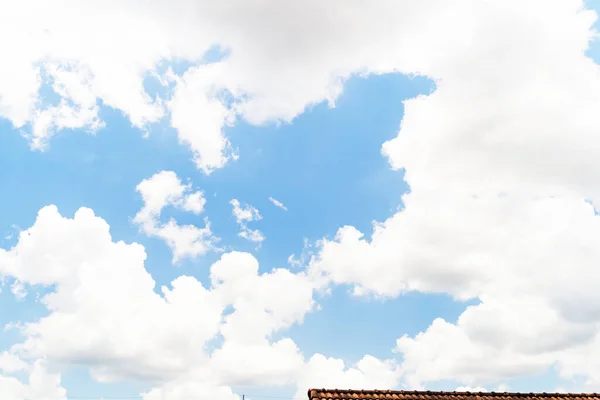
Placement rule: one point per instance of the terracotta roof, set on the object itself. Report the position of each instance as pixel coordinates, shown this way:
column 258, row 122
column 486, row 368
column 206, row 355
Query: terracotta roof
column 338, row 394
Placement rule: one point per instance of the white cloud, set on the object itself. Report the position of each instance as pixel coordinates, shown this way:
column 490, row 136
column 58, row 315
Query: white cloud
column 277, row 203
column 253, row 235
column 199, row 115
column 10, row 363
column 501, row 160
column 471, row 389
column 190, row 389
column 76, row 109
column 165, row 189
column 42, row 384
column 243, row 215
column 18, row 290
column 502, row 388
column 246, row 213
column 104, row 312
column 261, row 78
column 368, row 373
column 194, row 202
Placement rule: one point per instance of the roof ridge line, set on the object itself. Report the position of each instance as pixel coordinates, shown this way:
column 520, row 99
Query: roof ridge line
column 341, row 394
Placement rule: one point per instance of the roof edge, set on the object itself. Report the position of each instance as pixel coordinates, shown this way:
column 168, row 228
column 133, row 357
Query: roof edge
column 313, row 393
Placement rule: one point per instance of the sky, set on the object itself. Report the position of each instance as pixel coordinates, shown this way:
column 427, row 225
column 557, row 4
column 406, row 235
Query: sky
column 210, row 200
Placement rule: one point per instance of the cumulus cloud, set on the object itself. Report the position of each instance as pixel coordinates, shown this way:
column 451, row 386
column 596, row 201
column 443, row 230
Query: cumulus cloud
column 104, row 301
column 10, row 362
column 41, row 383
column 368, row 373
column 166, row 189
column 190, row 389
column 104, row 312
column 243, row 215
column 261, row 77
column 501, row 160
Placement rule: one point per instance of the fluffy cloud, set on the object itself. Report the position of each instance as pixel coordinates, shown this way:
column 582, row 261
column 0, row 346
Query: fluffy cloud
column 502, row 164
column 261, row 77
column 530, row 262
column 11, row 363
column 318, row 371
column 190, row 389
column 41, row 384
column 104, row 312
column 243, row 215
column 262, row 306
column 368, row 373
column 199, row 114
column 165, row 189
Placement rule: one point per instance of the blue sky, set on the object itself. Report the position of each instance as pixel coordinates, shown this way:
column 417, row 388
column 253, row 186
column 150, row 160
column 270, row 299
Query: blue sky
column 452, row 255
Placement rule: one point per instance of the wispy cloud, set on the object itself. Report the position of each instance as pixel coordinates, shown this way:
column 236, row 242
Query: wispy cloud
column 243, row 215
column 277, row 203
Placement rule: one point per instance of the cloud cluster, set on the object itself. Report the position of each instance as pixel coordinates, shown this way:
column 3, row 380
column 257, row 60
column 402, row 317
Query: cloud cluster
column 262, row 77
column 243, row 215
column 165, row 189
column 502, row 162
column 104, row 312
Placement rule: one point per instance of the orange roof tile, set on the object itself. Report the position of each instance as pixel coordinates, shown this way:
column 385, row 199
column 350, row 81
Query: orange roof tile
column 338, row 394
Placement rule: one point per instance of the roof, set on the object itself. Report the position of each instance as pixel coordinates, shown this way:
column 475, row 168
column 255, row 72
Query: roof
column 338, row 394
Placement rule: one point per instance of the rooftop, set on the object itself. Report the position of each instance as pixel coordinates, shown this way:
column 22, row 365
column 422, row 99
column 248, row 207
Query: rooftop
column 340, row 394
